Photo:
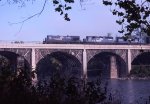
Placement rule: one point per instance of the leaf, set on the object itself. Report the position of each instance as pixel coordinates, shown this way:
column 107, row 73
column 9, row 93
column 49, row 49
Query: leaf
column 120, row 13
column 58, row 9
column 121, row 31
column 105, row 2
column 114, row 12
column 119, row 22
column 66, row 17
column 55, row 2
column 67, row 8
column 69, row 1
column 61, row 13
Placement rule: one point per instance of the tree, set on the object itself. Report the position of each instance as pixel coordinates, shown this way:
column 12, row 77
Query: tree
column 18, row 88
column 133, row 15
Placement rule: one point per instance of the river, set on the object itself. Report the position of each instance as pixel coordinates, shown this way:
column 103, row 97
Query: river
column 130, row 91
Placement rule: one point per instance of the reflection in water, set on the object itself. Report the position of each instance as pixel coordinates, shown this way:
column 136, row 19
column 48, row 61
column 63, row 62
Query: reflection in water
column 130, row 91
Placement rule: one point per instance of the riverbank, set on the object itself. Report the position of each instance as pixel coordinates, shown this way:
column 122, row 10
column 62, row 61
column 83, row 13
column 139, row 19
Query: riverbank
column 134, row 78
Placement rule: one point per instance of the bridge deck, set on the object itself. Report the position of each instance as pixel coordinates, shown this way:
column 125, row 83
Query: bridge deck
column 74, row 46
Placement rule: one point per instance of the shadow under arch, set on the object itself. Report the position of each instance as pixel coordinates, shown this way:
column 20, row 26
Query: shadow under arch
column 105, row 65
column 63, row 62
column 141, row 61
column 16, row 61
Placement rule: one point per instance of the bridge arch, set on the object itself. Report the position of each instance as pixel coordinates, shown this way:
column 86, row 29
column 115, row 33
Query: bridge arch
column 141, row 61
column 106, row 65
column 15, row 61
column 66, row 63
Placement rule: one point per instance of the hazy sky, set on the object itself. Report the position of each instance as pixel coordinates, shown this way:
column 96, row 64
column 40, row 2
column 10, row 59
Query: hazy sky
column 93, row 18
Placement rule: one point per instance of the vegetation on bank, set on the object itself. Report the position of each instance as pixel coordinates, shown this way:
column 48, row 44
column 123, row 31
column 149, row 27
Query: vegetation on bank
column 16, row 87
column 140, row 72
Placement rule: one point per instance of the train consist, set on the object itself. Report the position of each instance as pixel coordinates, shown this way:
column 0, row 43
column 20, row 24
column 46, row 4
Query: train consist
column 53, row 39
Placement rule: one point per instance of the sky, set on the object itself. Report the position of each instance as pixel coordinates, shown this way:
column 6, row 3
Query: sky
column 92, row 19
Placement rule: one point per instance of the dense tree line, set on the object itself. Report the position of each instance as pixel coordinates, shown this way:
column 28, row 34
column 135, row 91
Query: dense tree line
column 17, row 87
column 140, row 72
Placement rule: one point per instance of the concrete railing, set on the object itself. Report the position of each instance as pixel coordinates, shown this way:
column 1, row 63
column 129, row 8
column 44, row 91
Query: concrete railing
column 19, row 42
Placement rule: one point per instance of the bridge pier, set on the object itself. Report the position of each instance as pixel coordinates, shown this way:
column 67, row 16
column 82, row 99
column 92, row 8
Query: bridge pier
column 129, row 61
column 33, row 64
column 84, row 64
column 113, row 67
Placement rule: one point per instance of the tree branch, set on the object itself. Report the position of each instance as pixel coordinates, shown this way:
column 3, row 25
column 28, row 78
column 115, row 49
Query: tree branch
column 143, row 2
column 30, row 17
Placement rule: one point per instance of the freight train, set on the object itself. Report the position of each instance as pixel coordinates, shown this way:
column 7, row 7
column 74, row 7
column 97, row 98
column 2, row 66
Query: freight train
column 57, row 39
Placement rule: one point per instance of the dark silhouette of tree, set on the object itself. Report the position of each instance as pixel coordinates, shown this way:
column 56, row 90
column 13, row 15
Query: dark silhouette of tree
column 17, row 88
column 133, row 15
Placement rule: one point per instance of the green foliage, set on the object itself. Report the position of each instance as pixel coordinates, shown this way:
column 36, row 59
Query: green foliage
column 133, row 15
column 62, row 90
column 140, row 71
column 18, row 88
column 107, row 2
column 63, row 7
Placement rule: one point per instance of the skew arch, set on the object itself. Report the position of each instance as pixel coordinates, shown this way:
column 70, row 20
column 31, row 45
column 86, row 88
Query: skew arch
column 62, row 61
column 106, row 65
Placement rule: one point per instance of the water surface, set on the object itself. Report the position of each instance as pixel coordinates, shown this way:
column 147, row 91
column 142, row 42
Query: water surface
column 130, row 91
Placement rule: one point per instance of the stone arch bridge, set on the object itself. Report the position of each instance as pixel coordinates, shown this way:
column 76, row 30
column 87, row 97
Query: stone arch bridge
column 88, row 60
